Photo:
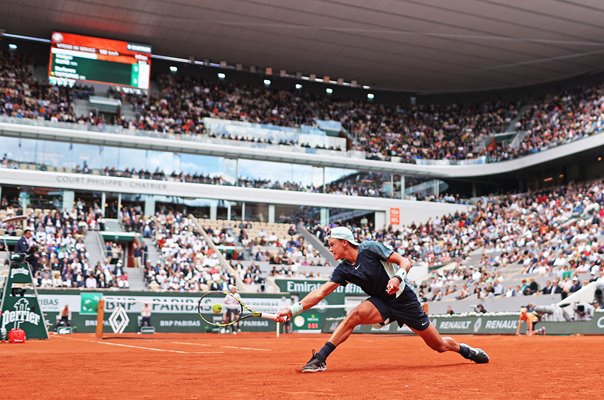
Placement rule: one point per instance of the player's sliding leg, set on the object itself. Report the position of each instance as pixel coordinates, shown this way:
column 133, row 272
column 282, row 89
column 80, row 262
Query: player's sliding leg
column 363, row 314
column 444, row 343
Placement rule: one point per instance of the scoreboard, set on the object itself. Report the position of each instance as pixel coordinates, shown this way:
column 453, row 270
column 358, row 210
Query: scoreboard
column 85, row 58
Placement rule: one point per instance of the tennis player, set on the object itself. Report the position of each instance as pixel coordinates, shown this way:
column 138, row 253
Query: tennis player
column 381, row 273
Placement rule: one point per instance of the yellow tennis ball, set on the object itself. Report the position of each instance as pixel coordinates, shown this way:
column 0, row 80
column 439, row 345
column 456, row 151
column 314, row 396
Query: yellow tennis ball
column 217, row 308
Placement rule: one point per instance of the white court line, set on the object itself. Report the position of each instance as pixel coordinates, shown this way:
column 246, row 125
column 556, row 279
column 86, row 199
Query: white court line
column 226, row 347
column 141, row 347
column 145, row 348
column 193, row 344
column 245, row 348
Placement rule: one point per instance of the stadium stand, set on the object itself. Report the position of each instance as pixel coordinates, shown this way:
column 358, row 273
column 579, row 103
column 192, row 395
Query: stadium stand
column 258, row 250
column 188, row 262
column 60, row 258
column 190, row 106
column 507, row 246
column 403, row 134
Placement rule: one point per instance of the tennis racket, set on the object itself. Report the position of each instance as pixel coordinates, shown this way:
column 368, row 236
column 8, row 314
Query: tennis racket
column 214, row 305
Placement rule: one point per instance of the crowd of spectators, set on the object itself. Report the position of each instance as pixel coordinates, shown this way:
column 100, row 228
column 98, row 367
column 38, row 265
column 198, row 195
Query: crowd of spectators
column 58, row 254
column 187, row 262
column 22, row 96
column 554, row 233
column 133, row 219
column 278, row 244
column 563, row 118
column 384, row 132
column 253, row 248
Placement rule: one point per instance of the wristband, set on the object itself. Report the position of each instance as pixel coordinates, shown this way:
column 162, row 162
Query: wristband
column 296, row 308
column 401, row 274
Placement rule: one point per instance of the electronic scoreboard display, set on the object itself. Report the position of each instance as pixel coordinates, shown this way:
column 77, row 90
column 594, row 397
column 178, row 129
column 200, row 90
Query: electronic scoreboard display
column 85, row 58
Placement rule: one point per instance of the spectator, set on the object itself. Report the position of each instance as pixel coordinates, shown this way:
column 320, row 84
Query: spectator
column 548, row 288
column 91, row 282
column 576, row 285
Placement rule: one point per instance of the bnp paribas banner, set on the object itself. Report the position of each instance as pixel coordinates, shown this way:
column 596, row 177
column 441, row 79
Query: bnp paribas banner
column 484, row 324
column 170, row 312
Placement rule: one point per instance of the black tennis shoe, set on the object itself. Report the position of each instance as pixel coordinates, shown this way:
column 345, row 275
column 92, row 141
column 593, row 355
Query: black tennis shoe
column 477, row 355
column 314, row 364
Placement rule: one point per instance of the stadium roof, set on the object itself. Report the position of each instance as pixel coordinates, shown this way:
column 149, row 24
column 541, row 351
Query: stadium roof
column 410, row 45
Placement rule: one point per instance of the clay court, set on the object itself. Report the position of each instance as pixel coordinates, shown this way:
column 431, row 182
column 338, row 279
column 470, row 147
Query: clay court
column 261, row 366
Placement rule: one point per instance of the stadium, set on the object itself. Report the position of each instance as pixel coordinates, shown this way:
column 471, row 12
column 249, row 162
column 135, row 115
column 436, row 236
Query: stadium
column 195, row 197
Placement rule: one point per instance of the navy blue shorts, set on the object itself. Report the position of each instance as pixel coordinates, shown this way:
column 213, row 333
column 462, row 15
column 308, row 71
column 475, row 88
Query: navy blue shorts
column 405, row 310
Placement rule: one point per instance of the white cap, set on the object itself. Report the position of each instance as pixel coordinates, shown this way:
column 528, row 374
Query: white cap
column 343, row 233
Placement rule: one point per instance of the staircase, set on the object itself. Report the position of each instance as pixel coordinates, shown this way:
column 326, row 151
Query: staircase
column 127, row 112
column 518, row 139
column 113, row 225
column 95, row 247
column 512, row 125
column 81, row 107
column 136, row 278
column 223, row 262
column 153, row 255
column 316, row 243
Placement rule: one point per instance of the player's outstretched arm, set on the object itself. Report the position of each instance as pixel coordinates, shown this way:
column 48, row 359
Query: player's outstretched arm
column 309, row 301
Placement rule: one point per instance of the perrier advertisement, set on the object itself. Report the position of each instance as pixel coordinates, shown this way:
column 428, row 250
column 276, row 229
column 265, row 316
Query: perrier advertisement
column 20, row 306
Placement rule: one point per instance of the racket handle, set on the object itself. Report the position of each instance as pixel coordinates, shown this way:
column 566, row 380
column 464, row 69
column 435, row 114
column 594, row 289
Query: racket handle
column 268, row 316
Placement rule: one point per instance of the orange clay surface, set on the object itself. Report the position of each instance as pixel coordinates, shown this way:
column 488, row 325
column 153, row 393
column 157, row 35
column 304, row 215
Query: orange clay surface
column 260, row 366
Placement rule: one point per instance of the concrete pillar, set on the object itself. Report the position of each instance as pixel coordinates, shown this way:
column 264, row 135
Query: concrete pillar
column 103, row 202
column 380, row 220
column 271, row 213
column 213, row 209
column 436, row 189
column 149, row 205
column 243, row 211
column 68, row 200
column 324, row 188
column 475, row 189
column 24, row 201
column 402, row 186
column 228, row 210
column 119, row 206
column 324, row 216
